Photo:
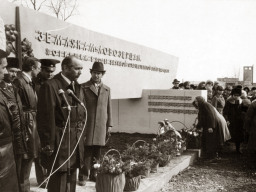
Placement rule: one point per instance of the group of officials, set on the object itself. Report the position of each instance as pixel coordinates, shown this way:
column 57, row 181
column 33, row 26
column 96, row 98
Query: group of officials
column 43, row 120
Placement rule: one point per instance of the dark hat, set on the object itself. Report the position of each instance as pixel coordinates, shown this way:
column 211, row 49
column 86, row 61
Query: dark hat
column 13, row 62
column 236, row 91
column 48, row 62
column 2, row 54
column 98, row 66
column 220, row 88
column 239, row 86
column 176, row 81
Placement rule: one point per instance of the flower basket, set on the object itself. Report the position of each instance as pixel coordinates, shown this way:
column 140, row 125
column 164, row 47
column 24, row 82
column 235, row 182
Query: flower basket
column 136, row 153
column 110, row 182
column 141, row 151
column 164, row 160
column 154, row 168
column 110, row 177
column 145, row 173
column 132, row 183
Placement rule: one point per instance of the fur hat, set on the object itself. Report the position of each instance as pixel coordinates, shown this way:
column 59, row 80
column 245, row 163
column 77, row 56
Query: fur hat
column 236, row 91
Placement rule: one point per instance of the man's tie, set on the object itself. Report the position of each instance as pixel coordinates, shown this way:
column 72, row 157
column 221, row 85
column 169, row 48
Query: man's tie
column 72, row 86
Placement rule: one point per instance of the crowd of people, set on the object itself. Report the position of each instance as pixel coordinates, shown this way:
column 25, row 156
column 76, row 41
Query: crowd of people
column 43, row 119
column 226, row 115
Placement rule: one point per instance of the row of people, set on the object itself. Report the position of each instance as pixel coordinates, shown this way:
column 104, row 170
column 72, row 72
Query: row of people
column 37, row 119
column 239, row 114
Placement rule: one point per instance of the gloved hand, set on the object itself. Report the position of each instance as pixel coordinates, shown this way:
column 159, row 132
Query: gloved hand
column 210, row 130
column 47, row 150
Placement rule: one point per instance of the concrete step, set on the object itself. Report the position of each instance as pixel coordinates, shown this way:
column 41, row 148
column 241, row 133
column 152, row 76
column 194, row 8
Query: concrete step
column 153, row 183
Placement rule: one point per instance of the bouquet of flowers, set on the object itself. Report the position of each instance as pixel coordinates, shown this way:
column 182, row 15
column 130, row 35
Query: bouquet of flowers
column 164, row 159
column 192, row 137
column 110, row 164
column 136, row 153
column 110, row 173
column 11, row 35
column 134, row 169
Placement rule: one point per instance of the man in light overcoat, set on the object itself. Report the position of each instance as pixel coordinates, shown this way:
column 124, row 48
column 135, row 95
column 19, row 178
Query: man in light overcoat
column 99, row 121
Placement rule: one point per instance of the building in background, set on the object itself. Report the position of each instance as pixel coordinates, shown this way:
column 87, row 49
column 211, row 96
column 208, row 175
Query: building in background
column 248, row 75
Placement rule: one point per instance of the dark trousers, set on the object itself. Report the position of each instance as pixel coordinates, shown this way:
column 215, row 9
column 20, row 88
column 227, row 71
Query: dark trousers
column 58, row 182
column 8, row 174
column 26, row 165
column 91, row 153
column 18, row 160
column 41, row 172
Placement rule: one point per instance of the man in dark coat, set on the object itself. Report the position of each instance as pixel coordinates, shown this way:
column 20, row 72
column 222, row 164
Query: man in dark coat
column 30, row 68
column 99, row 123
column 14, row 103
column 52, row 119
column 47, row 69
column 8, row 174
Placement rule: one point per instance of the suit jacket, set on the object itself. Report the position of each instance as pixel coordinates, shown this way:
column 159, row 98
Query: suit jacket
column 38, row 82
column 99, row 110
column 29, row 105
column 52, row 116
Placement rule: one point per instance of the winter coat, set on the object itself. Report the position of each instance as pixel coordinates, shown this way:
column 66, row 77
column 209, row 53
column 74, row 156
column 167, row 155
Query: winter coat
column 17, row 119
column 5, row 122
column 233, row 113
column 218, row 102
column 99, row 110
column 52, row 117
column 250, row 126
column 29, row 105
column 8, row 175
column 207, row 118
column 224, row 127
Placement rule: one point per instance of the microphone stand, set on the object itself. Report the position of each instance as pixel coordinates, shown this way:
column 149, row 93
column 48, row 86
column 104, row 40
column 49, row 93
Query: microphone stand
column 68, row 168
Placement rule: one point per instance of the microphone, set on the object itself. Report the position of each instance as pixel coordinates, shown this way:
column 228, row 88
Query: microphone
column 71, row 94
column 62, row 95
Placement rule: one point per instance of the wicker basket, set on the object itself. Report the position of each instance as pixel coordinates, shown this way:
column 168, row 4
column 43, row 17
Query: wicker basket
column 132, row 184
column 136, row 142
column 154, row 168
column 110, row 182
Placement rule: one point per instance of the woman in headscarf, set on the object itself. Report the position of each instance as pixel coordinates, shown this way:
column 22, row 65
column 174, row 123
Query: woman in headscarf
column 214, row 88
column 218, row 100
column 209, row 122
column 201, row 86
column 233, row 115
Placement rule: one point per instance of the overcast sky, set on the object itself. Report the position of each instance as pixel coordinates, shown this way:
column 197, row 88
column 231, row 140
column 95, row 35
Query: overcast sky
column 212, row 38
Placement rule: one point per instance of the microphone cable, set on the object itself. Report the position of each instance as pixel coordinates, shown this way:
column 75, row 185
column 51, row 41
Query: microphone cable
column 51, row 173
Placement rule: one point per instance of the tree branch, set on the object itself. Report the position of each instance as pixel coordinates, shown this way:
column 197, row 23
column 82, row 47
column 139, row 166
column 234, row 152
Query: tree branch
column 41, row 5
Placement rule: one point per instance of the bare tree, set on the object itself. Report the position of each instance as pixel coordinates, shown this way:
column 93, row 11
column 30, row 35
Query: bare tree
column 62, row 9
column 33, row 4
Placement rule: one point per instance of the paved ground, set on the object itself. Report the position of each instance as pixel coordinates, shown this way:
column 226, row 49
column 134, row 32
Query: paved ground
column 232, row 173
column 151, row 184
